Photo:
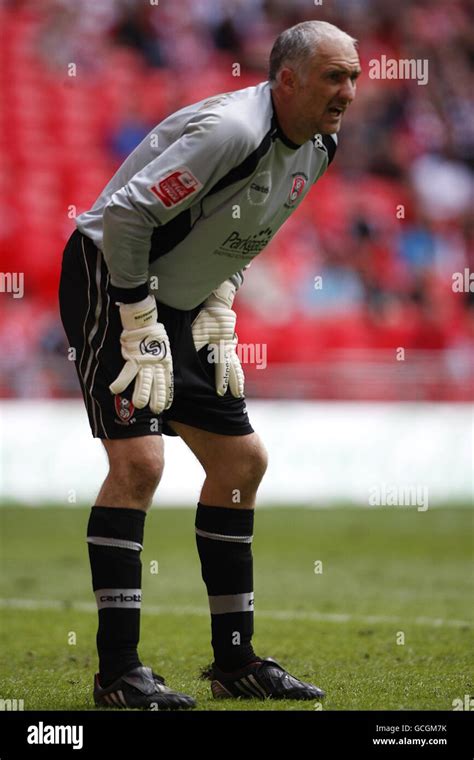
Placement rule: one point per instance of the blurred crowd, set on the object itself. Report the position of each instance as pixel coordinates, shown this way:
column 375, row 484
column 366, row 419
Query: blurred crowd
column 365, row 265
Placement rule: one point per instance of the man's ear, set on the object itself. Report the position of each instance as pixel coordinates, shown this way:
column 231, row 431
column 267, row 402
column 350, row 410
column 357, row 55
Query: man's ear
column 288, row 80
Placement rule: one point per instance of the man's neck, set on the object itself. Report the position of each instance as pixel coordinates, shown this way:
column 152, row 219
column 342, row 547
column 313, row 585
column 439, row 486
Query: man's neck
column 286, row 122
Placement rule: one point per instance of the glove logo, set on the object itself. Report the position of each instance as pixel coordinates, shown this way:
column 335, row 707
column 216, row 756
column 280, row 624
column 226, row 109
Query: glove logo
column 124, row 409
column 154, row 347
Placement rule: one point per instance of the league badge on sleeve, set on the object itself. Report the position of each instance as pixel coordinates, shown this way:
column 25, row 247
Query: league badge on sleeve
column 175, row 187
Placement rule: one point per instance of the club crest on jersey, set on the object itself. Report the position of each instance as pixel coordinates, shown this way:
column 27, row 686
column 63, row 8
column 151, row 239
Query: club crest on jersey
column 297, row 187
column 175, row 187
column 124, row 409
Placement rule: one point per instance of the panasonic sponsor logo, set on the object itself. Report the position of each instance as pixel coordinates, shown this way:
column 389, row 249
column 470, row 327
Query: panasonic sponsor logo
column 45, row 734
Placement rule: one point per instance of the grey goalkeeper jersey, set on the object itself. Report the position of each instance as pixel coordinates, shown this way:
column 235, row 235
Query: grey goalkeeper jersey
column 202, row 195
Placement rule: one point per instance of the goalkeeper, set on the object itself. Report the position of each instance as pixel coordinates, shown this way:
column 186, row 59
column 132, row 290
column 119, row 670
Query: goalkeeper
column 147, row 288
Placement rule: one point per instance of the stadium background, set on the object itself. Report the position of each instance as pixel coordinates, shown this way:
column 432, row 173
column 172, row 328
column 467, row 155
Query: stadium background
column 335, row 406
column 386, row 282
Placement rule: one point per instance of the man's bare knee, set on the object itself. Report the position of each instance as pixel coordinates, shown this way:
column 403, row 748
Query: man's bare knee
column 254, row 466
column 136, row 467
column 139, row 470
column 246, row 471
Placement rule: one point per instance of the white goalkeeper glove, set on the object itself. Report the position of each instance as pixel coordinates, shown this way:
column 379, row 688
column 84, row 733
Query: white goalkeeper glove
column 215, row 326
column 147, row 354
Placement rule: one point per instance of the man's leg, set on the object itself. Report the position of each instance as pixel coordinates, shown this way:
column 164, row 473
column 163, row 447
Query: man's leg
column 115, row 530
column 115, row 540
column 234, row 467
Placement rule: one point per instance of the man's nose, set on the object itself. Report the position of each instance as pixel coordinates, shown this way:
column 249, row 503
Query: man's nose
column 347, row 91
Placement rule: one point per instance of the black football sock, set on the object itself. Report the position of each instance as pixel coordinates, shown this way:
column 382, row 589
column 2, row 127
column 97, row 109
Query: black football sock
column 224, row 543
column 115, row 539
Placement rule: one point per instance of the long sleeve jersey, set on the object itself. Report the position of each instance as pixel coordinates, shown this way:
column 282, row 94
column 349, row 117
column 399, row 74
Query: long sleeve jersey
column 201, row 196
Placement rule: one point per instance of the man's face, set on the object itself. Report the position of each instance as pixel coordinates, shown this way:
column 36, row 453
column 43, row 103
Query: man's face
column 327, row 87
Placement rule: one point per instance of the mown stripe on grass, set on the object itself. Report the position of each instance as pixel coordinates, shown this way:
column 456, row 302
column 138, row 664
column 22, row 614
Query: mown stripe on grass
column 323, row 617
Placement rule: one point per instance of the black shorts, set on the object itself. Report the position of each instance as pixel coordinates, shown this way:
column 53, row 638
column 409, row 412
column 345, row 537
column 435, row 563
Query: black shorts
column 93, row 327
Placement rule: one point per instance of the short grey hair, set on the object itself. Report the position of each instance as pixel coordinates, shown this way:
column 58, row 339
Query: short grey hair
column 296, row 45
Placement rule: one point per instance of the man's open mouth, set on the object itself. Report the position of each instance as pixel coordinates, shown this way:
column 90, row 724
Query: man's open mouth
column 336, row 111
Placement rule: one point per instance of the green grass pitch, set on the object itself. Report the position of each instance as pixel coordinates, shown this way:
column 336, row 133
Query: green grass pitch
column 388, row 575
